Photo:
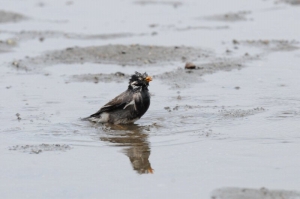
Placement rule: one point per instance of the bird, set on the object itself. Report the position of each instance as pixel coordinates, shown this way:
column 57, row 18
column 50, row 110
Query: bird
column 127, row 107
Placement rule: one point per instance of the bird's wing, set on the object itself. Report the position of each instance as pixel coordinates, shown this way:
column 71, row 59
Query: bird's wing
column 122, row 101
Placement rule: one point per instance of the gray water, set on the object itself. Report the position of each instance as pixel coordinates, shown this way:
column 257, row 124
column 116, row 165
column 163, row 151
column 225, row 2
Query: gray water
column 228, row 129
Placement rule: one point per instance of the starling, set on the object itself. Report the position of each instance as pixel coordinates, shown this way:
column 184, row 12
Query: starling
column 127, row 107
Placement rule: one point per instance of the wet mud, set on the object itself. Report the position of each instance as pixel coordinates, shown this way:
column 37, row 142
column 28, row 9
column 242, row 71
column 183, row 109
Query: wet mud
column 269, row 45
column 291, row 2
column 96, row 78
column 224, row 99
column 262, row 193
column 7, row 17
column 230, row 17
column 183, row 78
column 7, row 45
column 237, row 113
column 17, row 38
column 116, row 54
column 292, row 114
column 42, row 35
column 36, row 149
column 175, row 4
column 202, row 28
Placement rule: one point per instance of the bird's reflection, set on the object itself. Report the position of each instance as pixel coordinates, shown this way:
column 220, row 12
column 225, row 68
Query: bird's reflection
column 136, row 139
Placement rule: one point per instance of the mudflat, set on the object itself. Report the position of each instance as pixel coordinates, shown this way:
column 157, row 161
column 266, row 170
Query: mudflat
column 225, row 103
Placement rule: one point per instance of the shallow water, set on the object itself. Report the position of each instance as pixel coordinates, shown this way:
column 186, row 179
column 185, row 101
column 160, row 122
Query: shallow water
column 232, row 122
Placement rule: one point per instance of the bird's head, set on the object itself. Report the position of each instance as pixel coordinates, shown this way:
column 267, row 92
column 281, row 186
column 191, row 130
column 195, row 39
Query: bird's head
column 139, row 80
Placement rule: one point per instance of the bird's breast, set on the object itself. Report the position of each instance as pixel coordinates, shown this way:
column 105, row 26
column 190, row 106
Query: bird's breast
column 142, row 102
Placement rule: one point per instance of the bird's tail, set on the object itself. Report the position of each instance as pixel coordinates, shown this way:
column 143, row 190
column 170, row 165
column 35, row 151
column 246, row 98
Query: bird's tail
column 85, row 118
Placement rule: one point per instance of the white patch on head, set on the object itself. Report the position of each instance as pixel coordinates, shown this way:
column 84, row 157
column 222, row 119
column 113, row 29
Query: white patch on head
column 135, row 86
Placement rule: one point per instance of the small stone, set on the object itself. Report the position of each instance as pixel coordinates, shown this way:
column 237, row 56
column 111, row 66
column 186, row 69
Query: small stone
column 18, row 116
column 10, row 42
column 119, row 74
column 96, row 80
column 235, row 41
column 41, row 39
column 68, row 3
column 237, row 87
column 265, row 42
column 153, row 25
column 190, row 65
column 15, row 63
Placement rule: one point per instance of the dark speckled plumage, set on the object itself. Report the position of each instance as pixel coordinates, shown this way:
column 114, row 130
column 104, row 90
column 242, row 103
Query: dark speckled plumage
column 129, row 106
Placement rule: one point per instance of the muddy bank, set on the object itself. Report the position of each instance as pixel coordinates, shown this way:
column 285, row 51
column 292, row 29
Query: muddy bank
column 42, row 35
column 268, row 45
column 205, row 61
column 230, row 17
column 238, row 113
column 175, row 4
column 6, row 17
column 286, row 115
column 95, row 78
column 291, row 2
column 173, row 27
column 116, row 54
column 36, row 149
column 220, row 112
column 245, row 193
column 182, row 78
column 18, row 37
column 7, row 45
column 202, row 28
column 177, row 77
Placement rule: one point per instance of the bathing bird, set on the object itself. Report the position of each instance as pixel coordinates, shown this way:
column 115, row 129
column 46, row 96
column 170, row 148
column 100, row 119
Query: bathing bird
column 127, row 107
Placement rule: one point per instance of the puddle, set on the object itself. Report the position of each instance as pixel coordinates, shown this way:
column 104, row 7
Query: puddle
column 135, row 143
column 231, row 120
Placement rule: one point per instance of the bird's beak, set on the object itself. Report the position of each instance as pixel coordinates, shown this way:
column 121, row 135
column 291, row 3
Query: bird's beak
column 148, row 79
